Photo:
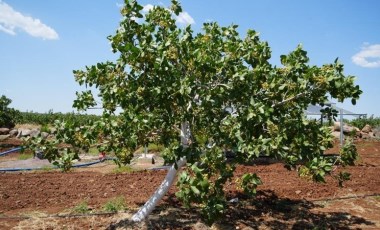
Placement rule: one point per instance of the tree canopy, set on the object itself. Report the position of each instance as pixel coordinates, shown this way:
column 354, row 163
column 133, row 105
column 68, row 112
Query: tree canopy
column 222, row 85
column 8, row 116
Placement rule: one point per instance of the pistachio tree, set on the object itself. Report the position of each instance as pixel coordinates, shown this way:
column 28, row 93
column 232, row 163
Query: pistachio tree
column 200, row 95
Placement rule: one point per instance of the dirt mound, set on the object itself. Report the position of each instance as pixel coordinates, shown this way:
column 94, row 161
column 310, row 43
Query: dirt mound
column 284, row 201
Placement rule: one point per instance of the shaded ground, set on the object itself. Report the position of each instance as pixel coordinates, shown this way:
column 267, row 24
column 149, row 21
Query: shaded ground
column 45, row 199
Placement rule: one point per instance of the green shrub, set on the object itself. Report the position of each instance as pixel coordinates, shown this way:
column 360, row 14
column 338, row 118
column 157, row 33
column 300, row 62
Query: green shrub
column 361, row 122
column 123, row 169
column 348, row 153
column 81, row 208
column 45, row 128
column 114, row 205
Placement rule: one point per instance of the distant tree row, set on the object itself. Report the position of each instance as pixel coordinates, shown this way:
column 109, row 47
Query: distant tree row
column 361, row 122
column 50, row 117
column 9, row 117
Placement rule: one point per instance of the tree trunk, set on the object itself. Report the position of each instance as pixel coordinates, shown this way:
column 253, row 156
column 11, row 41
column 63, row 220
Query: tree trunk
column 168, row 181
column 159, row 193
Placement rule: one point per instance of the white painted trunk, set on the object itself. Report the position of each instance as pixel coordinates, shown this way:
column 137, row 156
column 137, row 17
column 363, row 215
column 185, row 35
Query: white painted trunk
column 159, row 193
column 148, row 207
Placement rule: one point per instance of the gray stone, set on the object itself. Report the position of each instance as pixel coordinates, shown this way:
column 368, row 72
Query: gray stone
column 24, row 132
column 336, row 134
column 336, row 126
column 34, row 132
column 44, row 135
column 200, row 226
column 4, row 137
column 367, row 135
column 376, row 132
column 367, row 129
column 4, row 131
column 347, row 129
column 13, row 132
column 351, row 130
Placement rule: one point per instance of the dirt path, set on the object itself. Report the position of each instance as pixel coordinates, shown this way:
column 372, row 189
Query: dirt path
column 284, row 201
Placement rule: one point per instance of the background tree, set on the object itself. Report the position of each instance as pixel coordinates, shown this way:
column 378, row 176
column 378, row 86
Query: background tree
column 215, row 90
column 8, row 116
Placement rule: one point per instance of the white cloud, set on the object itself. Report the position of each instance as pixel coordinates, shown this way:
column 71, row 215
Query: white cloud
column 368, row 57
column 119, row 5
column 11, row 20
column 8, row 31
column 147, row 7
column 145, row 10
column 185, row 18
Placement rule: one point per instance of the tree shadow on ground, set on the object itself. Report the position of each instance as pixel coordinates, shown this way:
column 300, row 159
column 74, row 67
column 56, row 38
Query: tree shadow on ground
column 266, row 211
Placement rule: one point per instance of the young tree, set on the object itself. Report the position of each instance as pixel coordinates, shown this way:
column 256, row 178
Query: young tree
column 215, row 90
column 8, row 116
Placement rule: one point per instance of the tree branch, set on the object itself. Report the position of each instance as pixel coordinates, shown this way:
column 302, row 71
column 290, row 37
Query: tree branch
column 294, row 97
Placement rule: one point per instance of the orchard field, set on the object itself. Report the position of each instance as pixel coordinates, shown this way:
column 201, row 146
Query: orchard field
column 75, row 200
column 196, row 95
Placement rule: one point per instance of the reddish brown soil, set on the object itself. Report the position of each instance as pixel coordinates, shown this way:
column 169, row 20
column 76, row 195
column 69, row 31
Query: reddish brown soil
column 44, row 200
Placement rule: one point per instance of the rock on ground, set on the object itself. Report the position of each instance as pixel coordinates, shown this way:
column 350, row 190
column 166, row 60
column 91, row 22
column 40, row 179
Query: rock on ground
column 4, row 131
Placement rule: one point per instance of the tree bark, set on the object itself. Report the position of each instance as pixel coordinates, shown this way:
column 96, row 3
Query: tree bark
column 159, row 193
column 149, row 206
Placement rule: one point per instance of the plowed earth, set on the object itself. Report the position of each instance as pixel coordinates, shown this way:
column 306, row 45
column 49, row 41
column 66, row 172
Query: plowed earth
column 46, row 199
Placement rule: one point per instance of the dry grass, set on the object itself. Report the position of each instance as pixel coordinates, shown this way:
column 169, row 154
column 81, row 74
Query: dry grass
column 36, row 222
column 35, row 214
column 40, row 224
column 27, row 126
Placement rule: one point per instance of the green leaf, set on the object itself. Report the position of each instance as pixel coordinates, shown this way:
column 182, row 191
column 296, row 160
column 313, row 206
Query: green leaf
column 250, row 115
column 283, row 59
column 219, row 207
column 195, row 190
column 282, row 87
column 195, row 168
column 204, row 184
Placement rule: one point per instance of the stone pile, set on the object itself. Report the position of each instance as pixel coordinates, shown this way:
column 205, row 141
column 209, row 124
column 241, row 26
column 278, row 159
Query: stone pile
column 6, row 133
column 367, row 132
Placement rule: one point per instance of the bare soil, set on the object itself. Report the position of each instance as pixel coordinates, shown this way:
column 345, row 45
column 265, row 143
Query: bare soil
column 46, row 199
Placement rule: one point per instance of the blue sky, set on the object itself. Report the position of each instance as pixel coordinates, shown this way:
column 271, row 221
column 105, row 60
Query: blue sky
column 42, row 42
